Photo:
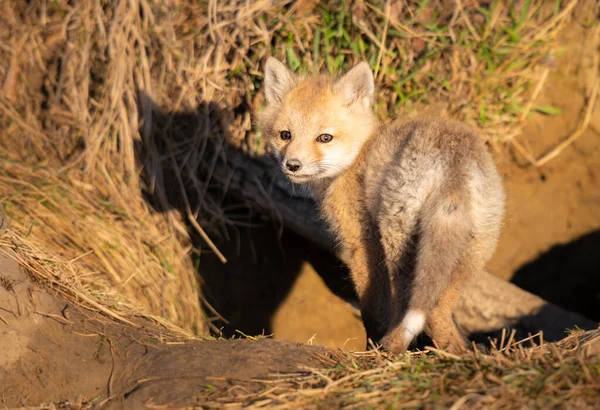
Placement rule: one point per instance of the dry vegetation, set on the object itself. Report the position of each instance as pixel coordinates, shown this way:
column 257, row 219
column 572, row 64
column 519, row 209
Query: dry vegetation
column 515, row 374
column 113, row 116
column 64, row 278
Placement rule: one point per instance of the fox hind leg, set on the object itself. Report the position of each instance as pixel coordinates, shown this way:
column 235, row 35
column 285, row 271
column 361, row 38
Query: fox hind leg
column 440, row 324
column 398, row 247
column 445, row 231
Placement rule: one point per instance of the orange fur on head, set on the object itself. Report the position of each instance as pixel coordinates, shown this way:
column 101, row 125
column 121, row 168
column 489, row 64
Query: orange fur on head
column 309, row 107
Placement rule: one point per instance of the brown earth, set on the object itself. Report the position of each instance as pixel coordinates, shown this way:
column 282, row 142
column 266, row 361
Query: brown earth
column 559, row 201
column 51, row 351
column 56, row 355
column 551, row 236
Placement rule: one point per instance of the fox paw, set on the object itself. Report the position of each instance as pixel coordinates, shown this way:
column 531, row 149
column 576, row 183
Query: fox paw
column 399, row 338
column 454, row 344
column 395, row 342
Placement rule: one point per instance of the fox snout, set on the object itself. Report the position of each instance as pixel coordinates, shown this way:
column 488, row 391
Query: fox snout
column 317, row 125
column 293, row 165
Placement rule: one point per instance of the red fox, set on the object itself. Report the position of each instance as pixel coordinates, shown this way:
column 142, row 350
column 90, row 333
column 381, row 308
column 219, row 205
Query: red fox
column 416, row 206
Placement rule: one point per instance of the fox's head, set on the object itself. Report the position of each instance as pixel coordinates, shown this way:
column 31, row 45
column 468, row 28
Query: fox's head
column 317, row 125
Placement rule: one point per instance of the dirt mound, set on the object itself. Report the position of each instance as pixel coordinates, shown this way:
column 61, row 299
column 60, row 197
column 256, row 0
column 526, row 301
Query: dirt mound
column 53, row 351
column 40, row 360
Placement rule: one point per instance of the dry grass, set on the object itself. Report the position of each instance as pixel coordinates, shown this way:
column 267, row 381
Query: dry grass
column 121, row 244
column 107, row 106
column 80, row 288
column 528, row 374
column 69, row 175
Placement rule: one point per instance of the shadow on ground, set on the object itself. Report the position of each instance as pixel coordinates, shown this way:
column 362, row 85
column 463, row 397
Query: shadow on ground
column 182, row 153
column 54, row 351
column 567, row 275
column 183, row 158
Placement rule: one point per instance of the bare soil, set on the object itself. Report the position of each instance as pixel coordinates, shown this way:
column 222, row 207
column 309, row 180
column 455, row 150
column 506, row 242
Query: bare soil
column 553, row 215
column 560, row 201
column 51, row 351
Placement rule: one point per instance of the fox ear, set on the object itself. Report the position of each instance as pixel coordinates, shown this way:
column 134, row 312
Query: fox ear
column 278, row 80
column 357, row 85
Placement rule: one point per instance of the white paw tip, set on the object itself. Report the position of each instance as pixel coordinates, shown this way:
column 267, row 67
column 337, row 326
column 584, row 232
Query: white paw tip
column 413, row 324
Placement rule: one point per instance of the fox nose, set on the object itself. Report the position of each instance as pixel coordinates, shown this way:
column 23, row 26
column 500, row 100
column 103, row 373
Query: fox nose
column 293, row 165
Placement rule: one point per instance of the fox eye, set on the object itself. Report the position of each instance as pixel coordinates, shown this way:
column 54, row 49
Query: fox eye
column 324, row 138
column 285, row 135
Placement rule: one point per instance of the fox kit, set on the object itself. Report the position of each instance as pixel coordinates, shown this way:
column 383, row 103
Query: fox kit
column 416, row 206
